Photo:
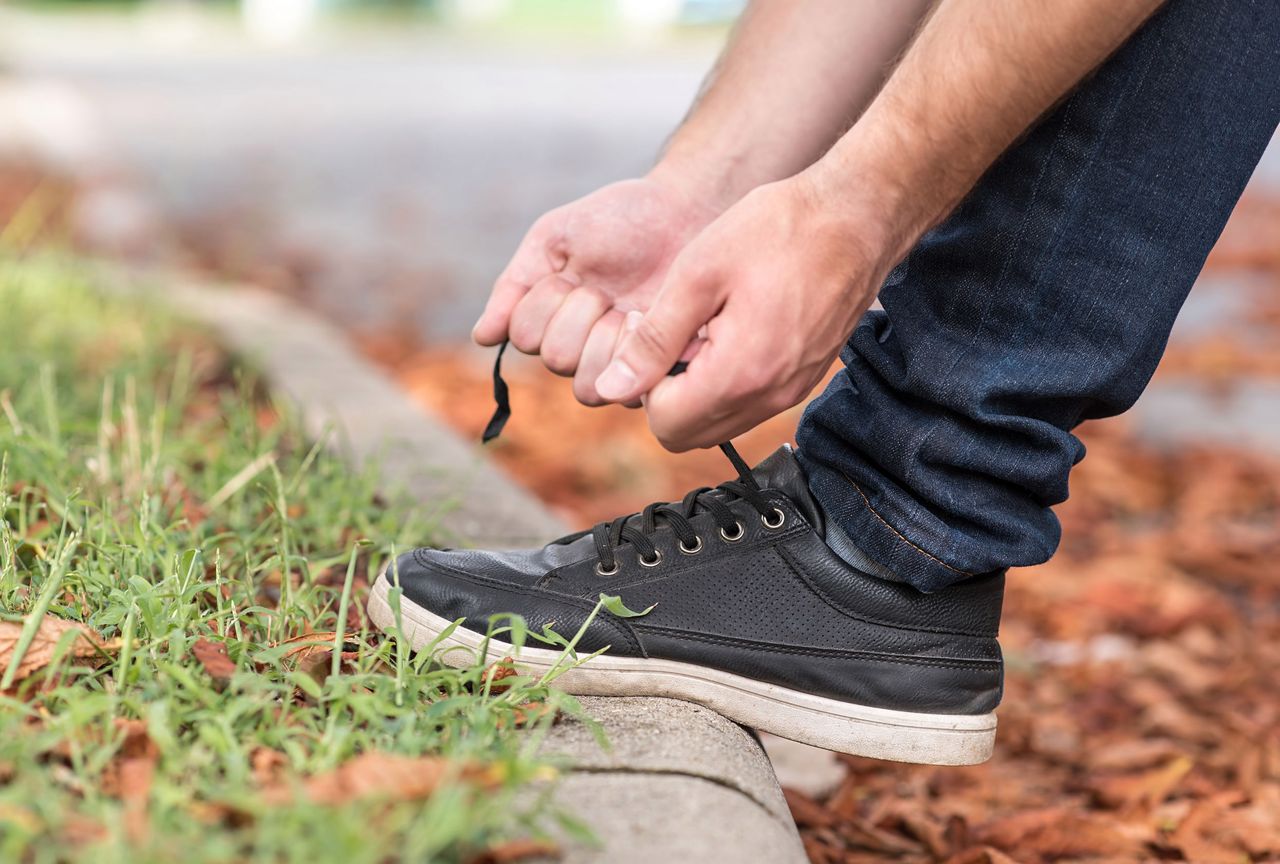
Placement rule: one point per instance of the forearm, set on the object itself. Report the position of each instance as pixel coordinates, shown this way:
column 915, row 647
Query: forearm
column 978, row 74
column 791, row 81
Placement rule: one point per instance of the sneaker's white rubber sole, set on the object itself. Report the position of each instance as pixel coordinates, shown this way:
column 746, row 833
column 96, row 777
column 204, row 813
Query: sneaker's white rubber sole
column 879, row 733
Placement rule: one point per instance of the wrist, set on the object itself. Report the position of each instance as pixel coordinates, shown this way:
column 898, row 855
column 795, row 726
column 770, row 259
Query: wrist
column 865, row 211
column 711, row 177
column 883, row 180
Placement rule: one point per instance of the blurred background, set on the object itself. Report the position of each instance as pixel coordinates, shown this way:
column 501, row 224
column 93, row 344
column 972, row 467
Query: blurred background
column 379, row 161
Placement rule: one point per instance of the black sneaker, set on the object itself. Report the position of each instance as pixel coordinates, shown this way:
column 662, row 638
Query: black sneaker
column 753, row 616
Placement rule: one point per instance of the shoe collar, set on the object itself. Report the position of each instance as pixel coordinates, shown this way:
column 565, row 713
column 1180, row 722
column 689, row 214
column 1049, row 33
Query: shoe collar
column 782, row 471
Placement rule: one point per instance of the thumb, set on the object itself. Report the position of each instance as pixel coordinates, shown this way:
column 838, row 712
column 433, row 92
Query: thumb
column 651, row 344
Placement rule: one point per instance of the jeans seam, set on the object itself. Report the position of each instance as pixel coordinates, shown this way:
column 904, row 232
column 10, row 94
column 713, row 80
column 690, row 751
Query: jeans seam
column 899, row 534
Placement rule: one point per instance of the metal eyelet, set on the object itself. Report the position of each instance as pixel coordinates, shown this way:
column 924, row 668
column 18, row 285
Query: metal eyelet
column 734, row 538
column 782, row 519
column 694, row 550
column 600, row 571
column 652, row 562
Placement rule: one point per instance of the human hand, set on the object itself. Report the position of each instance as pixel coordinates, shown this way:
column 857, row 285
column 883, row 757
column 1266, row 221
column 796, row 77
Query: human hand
column 779, row 281
column 583, row 266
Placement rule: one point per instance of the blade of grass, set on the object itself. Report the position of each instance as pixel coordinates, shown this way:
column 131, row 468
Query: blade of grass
column 43, row 601
column 241, row 479
column 344, row 606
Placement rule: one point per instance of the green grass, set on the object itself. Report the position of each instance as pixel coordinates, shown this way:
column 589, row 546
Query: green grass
column 153, row 492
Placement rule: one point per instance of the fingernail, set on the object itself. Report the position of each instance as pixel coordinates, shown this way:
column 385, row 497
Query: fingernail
column 616, row 382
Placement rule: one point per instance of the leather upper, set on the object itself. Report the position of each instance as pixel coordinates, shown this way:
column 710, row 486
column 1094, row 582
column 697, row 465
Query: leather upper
column 776, row 605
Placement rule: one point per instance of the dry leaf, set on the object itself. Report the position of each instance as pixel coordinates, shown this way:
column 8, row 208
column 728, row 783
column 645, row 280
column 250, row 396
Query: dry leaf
column 806, row 812
column 981, row 855
column 135, row 789
column 41, row 650
column 267, row 765
column 214, row 658
column 1150, row 787
column 517, row 850
column 498, row 670
column 375, row 775
column 309, row 643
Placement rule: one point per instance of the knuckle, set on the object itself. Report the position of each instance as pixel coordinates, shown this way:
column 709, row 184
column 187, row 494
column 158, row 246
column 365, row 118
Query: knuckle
column 647, row 339
column 524, row 339
column 670, row 436
column 586, row 393
column 559, row 361
column 672, row 442
column 524, row 334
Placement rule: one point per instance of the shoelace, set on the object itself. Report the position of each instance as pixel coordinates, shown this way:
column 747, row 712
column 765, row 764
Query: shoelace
column 609, row 536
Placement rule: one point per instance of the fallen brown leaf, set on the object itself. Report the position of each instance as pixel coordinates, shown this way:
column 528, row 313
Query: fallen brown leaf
column 1150, row 787
column 981, row 855
column 308, row 643
column 498, row 670
column 517, row 850
column 135, row 789
column 41, row 650
column 374, row 775
column 214, row 658
column 806, row 812
column 267, row 765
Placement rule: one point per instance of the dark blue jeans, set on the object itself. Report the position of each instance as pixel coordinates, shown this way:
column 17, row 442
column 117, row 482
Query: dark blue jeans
column 1046, row 299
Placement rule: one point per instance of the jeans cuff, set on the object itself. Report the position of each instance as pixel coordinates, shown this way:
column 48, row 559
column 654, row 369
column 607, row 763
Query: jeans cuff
column 892, row 546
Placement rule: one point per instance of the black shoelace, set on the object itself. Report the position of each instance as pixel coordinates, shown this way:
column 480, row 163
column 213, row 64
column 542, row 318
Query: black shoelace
column 609, row 536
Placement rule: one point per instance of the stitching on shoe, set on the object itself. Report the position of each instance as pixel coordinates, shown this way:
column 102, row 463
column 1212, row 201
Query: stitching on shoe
column 623, row 628
column 899, row 534
column 836, row 606
column 975, row 664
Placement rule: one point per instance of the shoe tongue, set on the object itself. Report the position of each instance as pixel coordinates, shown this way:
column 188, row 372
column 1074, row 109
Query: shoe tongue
column 782, row 471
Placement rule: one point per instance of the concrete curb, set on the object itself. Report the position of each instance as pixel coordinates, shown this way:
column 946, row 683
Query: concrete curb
column 680, row 782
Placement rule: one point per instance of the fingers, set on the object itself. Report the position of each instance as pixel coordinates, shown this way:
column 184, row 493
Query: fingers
column 596, row 354
column 566, row 334
column 491, row 328
column 732, row 384
column 646, row 353
column 533, row 260
column 690, row 410
column 530, row 317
